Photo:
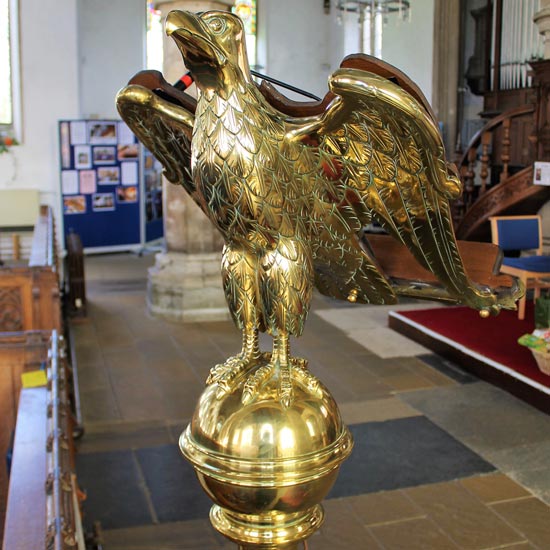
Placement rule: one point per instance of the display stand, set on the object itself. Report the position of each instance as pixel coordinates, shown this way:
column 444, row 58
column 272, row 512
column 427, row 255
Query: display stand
column 111, row 187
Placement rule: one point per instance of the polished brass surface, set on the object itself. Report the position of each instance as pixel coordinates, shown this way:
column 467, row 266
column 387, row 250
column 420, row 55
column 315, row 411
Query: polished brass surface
column 266, row 466
column 290, row 195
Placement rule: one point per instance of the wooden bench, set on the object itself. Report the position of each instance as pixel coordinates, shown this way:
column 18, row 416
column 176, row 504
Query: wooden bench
column 19, row 352
column 43, row 509
column 30, row 295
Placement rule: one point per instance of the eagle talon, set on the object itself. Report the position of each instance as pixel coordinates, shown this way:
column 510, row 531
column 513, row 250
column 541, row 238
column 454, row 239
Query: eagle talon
column 286, row 394
column 309, row 382
column 293, row 373
column 299, row 362
column 255, row 382
column 226, row 374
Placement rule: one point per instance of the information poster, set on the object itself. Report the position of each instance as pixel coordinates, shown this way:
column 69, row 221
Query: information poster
column 101, row 185
column 541, row 174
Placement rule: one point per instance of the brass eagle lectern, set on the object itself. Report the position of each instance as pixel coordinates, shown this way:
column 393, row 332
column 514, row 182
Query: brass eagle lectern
column 290, row 189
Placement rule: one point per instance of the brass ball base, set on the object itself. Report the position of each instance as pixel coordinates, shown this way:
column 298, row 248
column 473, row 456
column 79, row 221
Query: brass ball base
column 267, row 531
column 266, row 466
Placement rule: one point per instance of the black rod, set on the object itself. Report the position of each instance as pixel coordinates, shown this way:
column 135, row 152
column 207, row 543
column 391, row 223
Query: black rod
column 285, row 85
column 186, row 80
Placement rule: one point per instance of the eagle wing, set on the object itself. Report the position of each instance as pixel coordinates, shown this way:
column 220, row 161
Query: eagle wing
column 382, row 159
column 165, row 128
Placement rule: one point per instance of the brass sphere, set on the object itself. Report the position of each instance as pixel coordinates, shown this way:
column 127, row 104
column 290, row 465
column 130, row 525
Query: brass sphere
column 267, row 467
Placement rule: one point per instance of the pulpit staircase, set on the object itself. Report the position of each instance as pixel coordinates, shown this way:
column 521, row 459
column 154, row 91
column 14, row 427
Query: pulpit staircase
column 492, row 186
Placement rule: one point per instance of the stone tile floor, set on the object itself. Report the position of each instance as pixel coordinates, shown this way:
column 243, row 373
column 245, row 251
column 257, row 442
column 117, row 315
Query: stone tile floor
column 441, row 460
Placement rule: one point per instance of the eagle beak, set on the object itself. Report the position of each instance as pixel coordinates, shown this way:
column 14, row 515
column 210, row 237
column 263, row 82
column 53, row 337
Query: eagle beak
column 192, row 37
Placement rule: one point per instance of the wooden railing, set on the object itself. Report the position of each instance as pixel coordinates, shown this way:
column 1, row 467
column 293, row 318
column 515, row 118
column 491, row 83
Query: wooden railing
column 485, row 154
column 44, row 251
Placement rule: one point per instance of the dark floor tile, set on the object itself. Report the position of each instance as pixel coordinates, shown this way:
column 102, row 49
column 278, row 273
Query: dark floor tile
column 186, row 535
column 115, row 494
column 403, row 453
column 125, row 436
column 175, row 491
column 448, row 368
column 485, row 418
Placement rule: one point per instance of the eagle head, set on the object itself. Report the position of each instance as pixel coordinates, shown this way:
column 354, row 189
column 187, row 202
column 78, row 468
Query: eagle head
column 213, row 47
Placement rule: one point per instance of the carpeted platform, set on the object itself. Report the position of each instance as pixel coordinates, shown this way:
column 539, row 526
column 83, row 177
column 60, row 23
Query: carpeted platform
column 487, row 347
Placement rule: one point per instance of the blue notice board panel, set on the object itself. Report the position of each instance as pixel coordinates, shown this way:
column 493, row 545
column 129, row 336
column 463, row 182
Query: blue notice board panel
column 152, row 178
column 100, row 183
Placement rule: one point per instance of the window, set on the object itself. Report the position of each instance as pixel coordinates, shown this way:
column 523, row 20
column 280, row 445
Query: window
column 6, row 108
column 9, row 83
column 245, row 9
column 154, row 37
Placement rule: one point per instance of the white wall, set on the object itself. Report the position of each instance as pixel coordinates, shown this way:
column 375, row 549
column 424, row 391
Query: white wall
column 112, row 40
column 300, row 44
column 73, row 60
column 409, row 45
column 49, row 82
column 296, row 43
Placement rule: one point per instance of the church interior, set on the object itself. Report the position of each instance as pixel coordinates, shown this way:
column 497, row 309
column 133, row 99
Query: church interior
column 404, row 414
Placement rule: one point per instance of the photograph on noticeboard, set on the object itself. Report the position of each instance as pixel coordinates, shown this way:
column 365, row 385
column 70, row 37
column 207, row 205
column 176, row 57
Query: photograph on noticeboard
column 108, row 175
column 74, row 205
column 104, row 155
column 82, row 157
column 129, row 151
column 102, row 202
column 87, row 182
column 127, row 194
column 102, row 133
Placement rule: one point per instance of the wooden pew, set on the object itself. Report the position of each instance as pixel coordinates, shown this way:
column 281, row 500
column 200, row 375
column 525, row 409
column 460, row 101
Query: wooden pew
column 43, row 509
column 19, row 352
column 30, row 295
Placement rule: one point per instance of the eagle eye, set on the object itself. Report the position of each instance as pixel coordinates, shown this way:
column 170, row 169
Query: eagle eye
column 217, row 25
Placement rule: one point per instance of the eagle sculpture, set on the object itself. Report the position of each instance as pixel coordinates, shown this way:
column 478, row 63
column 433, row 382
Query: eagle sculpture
column 290, row 194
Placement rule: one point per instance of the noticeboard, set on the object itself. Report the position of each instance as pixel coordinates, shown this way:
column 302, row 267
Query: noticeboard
column 102, row 186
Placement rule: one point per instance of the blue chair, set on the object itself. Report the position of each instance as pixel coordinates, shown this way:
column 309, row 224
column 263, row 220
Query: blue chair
column 518, row 233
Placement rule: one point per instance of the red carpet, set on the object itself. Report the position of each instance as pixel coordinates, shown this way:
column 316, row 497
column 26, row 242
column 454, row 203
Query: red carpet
column 494, row 339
